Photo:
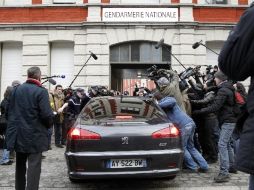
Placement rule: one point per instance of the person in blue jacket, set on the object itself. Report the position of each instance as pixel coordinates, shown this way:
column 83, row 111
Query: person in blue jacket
column 192, row 158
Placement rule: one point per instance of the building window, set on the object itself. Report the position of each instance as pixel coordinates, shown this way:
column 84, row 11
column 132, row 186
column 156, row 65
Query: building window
column 62, row 62
column 11, row 64
column 211, row 57
column 142, row 52
column 15, row 2
column 64, row 1
column 141, row 1
column 216, row 1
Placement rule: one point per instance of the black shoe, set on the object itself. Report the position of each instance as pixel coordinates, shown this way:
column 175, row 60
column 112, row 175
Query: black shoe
column 50, row 148
column 232, row 170
column 222, row 178
column 59, row 146
column 201, row 170
column 7, row 163
column 211, row 161
column 189, row 171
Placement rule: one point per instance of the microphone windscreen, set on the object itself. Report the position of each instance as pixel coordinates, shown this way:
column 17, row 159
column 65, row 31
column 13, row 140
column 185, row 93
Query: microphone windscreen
column 159, row 43
column 93, row 55
column 62, row 76
column 195, row 45
column 52, row 81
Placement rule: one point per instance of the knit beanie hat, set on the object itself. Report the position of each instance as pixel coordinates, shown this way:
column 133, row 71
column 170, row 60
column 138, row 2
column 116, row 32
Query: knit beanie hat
column 220, row 75
column 163, row 81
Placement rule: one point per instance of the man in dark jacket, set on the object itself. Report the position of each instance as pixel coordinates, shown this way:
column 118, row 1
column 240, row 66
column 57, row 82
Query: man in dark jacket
column 223, row 104
column 210, row 129
column 73, row 109
column 236, row 60
column 29, row 116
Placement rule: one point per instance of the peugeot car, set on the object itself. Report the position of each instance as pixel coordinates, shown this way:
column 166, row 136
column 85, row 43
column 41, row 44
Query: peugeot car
column 118, row 137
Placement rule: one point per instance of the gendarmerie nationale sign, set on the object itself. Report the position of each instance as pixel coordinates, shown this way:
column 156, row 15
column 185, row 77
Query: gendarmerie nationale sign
column 140, row 15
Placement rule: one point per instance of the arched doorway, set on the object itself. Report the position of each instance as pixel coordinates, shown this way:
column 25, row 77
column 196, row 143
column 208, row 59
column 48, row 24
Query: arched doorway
column 130, row 61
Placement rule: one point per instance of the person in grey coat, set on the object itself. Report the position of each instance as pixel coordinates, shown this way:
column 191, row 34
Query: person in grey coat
column 29, row 116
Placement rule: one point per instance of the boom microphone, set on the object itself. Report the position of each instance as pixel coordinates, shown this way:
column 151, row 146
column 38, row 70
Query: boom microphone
column 159, row 44
column 59, row 76
column 93, row 55
column 54, row 76
column 52, row 81
column 196, row 45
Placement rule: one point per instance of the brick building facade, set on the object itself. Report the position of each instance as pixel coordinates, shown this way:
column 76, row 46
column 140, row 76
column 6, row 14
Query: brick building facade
column 58, row 35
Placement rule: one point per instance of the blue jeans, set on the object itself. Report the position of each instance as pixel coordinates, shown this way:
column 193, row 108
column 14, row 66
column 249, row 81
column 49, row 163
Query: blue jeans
column 5, row 157
column 190, row 152
column 226, row 151
column 251, row 183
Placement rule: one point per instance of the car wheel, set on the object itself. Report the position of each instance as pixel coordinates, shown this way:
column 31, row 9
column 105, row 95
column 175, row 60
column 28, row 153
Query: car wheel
column 74, row 180
column 171, row 177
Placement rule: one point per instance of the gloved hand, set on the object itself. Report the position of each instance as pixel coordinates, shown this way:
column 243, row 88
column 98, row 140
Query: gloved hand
column 193, row 101
column 197, row 112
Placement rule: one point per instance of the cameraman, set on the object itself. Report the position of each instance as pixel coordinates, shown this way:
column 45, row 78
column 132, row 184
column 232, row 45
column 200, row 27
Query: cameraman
column 169, row 86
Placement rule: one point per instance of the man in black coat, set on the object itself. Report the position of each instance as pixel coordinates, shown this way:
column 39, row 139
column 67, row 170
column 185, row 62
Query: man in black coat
column 29, row 116
column 236, row 60
column 223, row 104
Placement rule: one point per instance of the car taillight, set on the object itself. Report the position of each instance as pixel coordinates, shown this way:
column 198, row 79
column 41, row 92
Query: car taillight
column 82, row 134
column 169, row 132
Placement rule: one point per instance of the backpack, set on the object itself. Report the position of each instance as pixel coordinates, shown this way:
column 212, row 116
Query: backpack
column 241, row 115
column 239, row 99
column 239, row 104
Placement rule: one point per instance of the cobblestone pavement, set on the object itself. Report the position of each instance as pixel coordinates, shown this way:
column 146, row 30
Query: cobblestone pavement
column 54, row 177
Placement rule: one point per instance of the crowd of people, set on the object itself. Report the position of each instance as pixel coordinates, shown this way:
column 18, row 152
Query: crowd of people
column 206, row 139
column 211, row 134
column 29, row 111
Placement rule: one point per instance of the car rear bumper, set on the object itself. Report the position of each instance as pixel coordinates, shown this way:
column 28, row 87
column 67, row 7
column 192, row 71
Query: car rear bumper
column 89, row 165
column 125, row 174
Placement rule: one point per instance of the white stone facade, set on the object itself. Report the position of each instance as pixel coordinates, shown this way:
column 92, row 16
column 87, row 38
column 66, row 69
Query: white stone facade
column 36, row 47
column 97, row 36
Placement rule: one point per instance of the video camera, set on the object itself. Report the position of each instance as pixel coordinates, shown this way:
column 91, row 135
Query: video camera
column 153, row 73
column 190, row 72
column 209, row 69
column 99, row 90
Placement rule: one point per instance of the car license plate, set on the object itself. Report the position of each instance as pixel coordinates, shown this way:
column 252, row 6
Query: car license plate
column 126, row 163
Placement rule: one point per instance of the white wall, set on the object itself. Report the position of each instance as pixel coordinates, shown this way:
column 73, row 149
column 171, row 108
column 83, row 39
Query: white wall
column 11, row 64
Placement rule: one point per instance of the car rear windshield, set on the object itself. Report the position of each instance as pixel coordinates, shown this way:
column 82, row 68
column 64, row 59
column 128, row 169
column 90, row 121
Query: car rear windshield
column 113, row 111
